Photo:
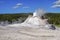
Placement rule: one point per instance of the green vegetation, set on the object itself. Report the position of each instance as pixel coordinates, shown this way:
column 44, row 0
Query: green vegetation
column 14, row 17
column 54, row 18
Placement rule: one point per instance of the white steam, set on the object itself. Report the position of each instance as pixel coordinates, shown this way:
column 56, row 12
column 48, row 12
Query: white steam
column 39, row 12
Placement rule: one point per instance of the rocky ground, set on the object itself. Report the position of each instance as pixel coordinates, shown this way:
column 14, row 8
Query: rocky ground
column 27, row 33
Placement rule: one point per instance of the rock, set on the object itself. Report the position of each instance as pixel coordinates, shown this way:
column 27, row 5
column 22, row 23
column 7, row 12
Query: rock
column 52, row 27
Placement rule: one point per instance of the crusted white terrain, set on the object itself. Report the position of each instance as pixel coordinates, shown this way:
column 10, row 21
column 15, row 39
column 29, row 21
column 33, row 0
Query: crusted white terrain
column 28, row 33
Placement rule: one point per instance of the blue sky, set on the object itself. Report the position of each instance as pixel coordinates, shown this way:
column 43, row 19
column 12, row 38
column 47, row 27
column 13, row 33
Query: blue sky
column 20, row 6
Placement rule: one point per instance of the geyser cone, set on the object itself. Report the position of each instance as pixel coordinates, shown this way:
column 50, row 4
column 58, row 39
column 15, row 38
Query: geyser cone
column 36, row 18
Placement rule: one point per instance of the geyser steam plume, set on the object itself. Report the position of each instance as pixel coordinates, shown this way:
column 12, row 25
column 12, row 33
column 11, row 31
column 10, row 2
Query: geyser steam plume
column 39, row 12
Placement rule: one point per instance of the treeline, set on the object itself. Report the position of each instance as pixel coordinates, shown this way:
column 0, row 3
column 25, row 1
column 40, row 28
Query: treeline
column 14, row 17
column 53, row 18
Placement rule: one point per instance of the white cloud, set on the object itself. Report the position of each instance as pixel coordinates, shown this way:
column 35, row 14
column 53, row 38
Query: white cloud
column 56, row 4
column 17, row 5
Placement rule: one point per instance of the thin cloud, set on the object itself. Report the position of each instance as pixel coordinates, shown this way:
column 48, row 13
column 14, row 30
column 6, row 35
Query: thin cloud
column 17, row 5
column 56, row 4
column 25, row 7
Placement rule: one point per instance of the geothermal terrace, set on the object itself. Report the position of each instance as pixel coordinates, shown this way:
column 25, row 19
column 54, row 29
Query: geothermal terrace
column 34, row 28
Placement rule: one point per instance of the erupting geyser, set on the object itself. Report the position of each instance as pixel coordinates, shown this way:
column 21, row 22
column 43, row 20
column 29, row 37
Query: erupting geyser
column 39, row 12
column 36, row 18
column 36, row 21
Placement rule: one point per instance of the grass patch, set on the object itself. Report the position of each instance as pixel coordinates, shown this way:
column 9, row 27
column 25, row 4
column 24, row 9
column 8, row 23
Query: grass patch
column 57, row 25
